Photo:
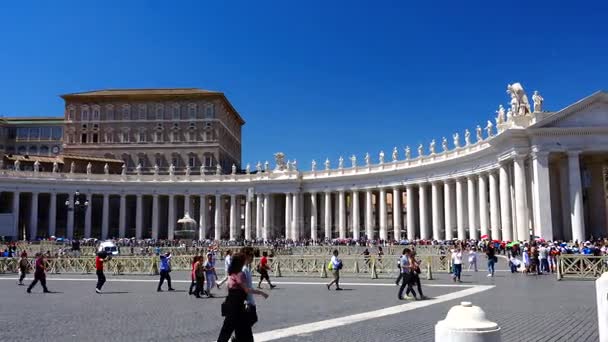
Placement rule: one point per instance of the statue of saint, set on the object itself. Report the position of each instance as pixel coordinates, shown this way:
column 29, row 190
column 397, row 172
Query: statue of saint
column 279, row 159
column 395, row 154
column 519, row 99
column 420, row 150
column 327, row 164
column 313, row 165
column 288, row 165
column 218, row 169
column 353, row 160
column 432, row 147
column 456, row 138
column 479, row 134
column 248, row 169
column 171, row 170
column 89, row 168
column 467, row 137
column 514, row 105
column 500, row 115
column 258, row 167
column 123, row 172
column 106, row 169
column 444, row 144
column 72, row 167
column 188, row 170
column 340, row 163
column 489, row 129
column 202, row 170
column 294, row 165
column 17, row 165
column 538, row 102
column 233, row 169
column 36, row 166
column 509, row 115
column 381, row 157
column 266, row 166
column 367, row 159
column 408, row 153
column 138, row 169
column 55, row 167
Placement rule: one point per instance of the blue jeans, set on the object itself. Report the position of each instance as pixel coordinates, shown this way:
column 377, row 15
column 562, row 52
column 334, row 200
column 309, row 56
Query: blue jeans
column 457, row 271
column 491, row 267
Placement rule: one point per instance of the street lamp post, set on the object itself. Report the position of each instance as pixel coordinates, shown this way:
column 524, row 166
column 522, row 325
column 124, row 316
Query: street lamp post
column 79, row 204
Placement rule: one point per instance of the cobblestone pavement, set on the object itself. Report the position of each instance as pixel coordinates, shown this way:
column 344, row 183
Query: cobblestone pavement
column 528, row 308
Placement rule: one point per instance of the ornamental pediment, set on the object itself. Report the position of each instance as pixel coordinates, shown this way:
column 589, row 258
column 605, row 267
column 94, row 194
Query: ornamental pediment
column 589, row 112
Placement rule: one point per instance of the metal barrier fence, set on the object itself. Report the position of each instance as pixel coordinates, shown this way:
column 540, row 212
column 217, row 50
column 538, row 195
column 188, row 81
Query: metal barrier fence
column 575, row 266
column 309, row 266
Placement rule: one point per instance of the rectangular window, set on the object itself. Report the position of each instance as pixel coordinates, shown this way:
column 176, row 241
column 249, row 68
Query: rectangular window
column 95, row 138
column 192, row 161
column 210, row 111
column 109, row 114
column 176, row 112
column 34, row 133
column 208, row 161
column 159, row 113
column 57, row 133
column 125, row 113
column 85, row 115
column 142, row 137
column 45, row 133
column 96, row 115
column 192, row 112
column 83, row 138
column 22, row 133
column 71, row 114
column 142, row 112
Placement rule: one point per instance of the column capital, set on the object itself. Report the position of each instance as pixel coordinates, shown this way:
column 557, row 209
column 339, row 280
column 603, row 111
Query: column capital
column 573, row 153
column 540, row 154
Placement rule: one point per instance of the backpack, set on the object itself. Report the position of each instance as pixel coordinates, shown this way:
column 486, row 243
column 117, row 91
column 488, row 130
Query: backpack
column 330, row 266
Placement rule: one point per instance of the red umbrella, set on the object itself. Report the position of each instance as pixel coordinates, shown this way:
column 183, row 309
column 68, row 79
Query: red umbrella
column 484, row 236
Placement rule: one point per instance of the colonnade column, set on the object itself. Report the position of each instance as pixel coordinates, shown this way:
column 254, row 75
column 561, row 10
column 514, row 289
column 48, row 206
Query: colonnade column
column 383, row 223
column 295, row 219
column 447, row 208
column 437, row 211
column 186, row 204
column 233, row 215
column 288, row 212
column 70, row 223
column 122, row 216
column 53, row 214
column 202, row 217
column 313, row 216
column 472, row 206
column 33, row 229
column 422, row 206
column 576, row 197
column 16, row 196
column 369, row 215
column 247, row 218
column 341, row 214
column 483, row 204
column 266, row 216
column 519, row 175
column 355, row 215
column 505, row 204
column 105, row 216
column 139, row 223
column 171, row 218
column 87, row 215
column 397, row 214
column 218, row 217
column 259, row 216
column 494, row 213
column 462, row 234
column 411, row 212
column 328, row 215
column 543, row 221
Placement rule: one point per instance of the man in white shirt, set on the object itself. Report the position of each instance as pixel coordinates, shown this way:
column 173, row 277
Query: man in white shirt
column 404, row 263
column 336, row 265
column 227, row 262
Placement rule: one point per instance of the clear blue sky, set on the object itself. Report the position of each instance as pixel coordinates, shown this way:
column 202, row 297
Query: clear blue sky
column 313, row 79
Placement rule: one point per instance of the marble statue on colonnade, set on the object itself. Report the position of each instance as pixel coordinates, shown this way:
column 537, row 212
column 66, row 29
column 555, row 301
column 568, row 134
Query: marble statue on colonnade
column 367, row 159
column 340, row 163
column 218, row 169
column 36, row 166
column 266, row 166
column 353, row 160
column 420, row 150
column 489, row 128
column 519, row 99
column 432, row 147
column 17, row 165
column 258, row 167
column 72, row 167
column 279, row 160
column 327, row 164
column 188, row 170
column 233, row 169
column 138, row 169
column 55, row 167
column 456, row 138
column 395, row 155
column 106, row 169
column 479, row 133
column 171, row 169
column 313, row 165
column 467, row 137
column 444, row 144
column 248, row 169
column 202, row 170
column 408, row 153
column 381, row 157
column 500, row 115
column 156, row 169
column 123, row 172
column 89, row 168
column 538, row 102
column 294, row 165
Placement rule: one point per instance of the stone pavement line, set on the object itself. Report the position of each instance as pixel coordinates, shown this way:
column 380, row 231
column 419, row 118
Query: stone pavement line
column 341, row 321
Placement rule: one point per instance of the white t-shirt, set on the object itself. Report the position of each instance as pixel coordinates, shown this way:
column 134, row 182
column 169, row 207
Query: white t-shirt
column 227, row 262
column 457, row 258
column 405, row 263
column 472, row 256
column 542, row 253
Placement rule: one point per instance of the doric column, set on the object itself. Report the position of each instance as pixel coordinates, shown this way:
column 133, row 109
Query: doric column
column 369, row 214
column 122, row 216
column 105, row 216
column 543, row 221
column 462, row 234
column 259, row 215
column 16, row 196
column 424, row 215
column 576, row 197
column 288, row 212
column 448, row 209
column 328, row 215
column 472, row 206
column 266, row 226
column 397, row 214
column 171, row 218
column 139, row 217
column 437, row 210
column 355, row 215
column 313, row 215
column 341, row 214
column 88, row 211
column 247, row 218
column 411, row 213
column 483, row 204
column 233, row 226
column 295, row 219
column 33, row 217
column 202, row 217
column 494, row 213
column 505, row 203
column 53, row 214
column 383, row 218
column 521, row 206
column 186, row 204
column 218, row 217
column 155, row 223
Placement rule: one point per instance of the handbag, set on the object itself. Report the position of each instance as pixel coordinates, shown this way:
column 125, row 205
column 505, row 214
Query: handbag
column 252, row 314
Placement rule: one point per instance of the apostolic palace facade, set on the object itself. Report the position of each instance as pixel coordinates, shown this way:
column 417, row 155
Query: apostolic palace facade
column 143, row 158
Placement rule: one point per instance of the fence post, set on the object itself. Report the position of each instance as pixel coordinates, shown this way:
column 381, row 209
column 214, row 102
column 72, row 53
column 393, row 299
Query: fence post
column 559, row 267
column 374, row 273
column 324, row 269
column 154, row 270
column 278, row 269
column 429, row 271
column 356, row 270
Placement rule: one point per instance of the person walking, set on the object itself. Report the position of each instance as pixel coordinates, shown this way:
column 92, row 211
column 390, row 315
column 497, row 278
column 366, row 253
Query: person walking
column 234, row 310
column 210, row 273
column 335, row 266
column 473, row 259
column 193, row 275
column 165, row 269
column 24, row 266
column 263, row 269
column 39, row 274
column 415, row 274
column 250, row 307
column 227, row 261
column 99, row 261
column 199, row 276
column 543, row 255
column 491, row 254
column 405, row 267
column 457, row 264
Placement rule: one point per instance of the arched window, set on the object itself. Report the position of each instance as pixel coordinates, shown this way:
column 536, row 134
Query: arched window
column 110, row 112
column 126, row 112
column 84, row 113
column 95, row 113
column 159, row 112
column 33, row 150
column 21, row 150
column 44, row 150
column 176, row 111
column 192, row 111
column 142, row 112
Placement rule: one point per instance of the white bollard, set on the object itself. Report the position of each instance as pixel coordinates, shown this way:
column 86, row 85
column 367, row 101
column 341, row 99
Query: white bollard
column 466, row 323
column 601, row 289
